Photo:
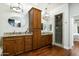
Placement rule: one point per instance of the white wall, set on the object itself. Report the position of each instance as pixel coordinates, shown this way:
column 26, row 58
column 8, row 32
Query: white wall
column 74, row 11
column 5, row 13
column 65, row 10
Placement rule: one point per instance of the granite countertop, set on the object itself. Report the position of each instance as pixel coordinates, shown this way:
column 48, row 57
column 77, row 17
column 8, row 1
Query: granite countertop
column 19, row 34
column 22, row 34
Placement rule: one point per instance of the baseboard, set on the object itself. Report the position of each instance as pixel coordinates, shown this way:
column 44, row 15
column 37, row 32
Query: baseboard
column 58, row 45
column 67, row 47
column 62, row 46
column 76, row 40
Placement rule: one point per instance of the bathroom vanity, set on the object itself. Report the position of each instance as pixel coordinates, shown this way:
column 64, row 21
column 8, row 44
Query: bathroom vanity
column 17, row 44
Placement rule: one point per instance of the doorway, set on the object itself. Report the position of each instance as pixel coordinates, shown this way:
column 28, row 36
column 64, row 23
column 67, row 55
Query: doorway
column 75, row 46
column 58, row 28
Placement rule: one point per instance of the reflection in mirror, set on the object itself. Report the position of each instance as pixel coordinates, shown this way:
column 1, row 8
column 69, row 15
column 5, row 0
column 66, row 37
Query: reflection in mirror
column 76, row 24
column 78, row 29
column 47, row 27
column 50, row 27
column 15, row 21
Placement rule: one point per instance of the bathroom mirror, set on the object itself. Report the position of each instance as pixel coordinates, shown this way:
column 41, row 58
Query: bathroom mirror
column 16, row 21
column 47, row 27
column 76, row 24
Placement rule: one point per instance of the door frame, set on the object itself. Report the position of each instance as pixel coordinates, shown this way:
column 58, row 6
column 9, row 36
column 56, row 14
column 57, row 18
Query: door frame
column 60, row 45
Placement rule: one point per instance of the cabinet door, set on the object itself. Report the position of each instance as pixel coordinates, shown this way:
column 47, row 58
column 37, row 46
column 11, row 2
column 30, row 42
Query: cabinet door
column 36, row 38
column 37, row 19
column 48, row 39
column 28, row 43
column 42, row 41
column 8, row 46
column 19, row 44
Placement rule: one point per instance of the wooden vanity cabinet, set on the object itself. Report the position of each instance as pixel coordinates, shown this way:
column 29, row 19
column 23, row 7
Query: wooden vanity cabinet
column 13, row 45
column 8, row 46
column 28, row 43
column 16, row 44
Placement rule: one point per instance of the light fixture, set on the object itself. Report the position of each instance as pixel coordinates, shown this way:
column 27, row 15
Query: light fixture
column 16, row 7
column 46, row 15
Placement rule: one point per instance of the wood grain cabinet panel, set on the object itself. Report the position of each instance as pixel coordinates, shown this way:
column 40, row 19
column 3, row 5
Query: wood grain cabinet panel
column 19, row 41
column 37, row 19
column 50, row 40
column 46, row 40
column 28, row 43
column 36, row 38
column 43, row 41
column 34, row 19
column 8, row 46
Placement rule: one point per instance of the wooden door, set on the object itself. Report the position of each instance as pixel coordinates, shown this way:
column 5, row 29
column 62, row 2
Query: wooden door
column 28, row 43
column 8, row 46
column 19, row 44
column 58, row 28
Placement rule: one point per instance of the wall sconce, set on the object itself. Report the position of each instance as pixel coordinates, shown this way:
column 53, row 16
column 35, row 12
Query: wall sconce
column 16, row 7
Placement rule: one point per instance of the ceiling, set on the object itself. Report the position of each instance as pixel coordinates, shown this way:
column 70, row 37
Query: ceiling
column 42, row 6
column 45, row 5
